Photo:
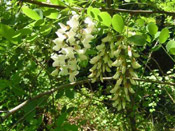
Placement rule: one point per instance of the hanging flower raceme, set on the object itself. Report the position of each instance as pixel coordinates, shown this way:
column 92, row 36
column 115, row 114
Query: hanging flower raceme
column 71, row 45
column 125, row 64
column 102, row 62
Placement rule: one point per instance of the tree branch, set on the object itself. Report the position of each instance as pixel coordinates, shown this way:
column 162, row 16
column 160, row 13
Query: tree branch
column 15, row 109
column 103, row 9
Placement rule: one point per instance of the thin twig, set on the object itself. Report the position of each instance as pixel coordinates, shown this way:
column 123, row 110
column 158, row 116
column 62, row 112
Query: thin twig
column 15, row 109
column 168, row 54
column 103, row 9
column 23, row 117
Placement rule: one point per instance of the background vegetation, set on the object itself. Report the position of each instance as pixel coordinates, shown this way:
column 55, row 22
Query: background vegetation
column 34, row 100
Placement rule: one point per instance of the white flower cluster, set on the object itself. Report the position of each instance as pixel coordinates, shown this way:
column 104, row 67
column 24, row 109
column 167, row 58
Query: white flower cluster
column 125, row 64
column 71, row 45
column 102, row 62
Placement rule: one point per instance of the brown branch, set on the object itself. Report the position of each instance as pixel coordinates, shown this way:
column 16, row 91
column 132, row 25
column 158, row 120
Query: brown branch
column 103, row 9
column 15, row 109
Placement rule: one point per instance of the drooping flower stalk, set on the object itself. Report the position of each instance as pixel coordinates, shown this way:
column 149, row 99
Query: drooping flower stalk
column 125, row 64
column 102, row 62
column 71, row 46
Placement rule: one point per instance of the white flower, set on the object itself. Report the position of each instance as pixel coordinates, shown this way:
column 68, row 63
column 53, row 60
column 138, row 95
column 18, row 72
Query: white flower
column 107, row 38
column 89, row 21
column 71, row 34
column 55, row 72
column 64, row 70
column 58, row 60
column 60, row 35
column 81, row 54
column 72, row 76
column 68, row 51
column 87, row 31
column 59, row 44
column 73, row 22
column 64, row 28
column 100, row 47
column 72, row 64
column 87, row 40
column 95, row 59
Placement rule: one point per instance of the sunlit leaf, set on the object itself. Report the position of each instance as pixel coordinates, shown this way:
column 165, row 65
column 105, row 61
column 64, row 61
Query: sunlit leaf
column 171, row 47
column 117, row 23
column 138, row 40
column 152, row 28
column 30, row 13
column 106, row 18
column 164, row 35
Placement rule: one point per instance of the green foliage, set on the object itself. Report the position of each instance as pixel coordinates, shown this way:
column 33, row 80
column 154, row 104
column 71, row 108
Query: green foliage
column 138, row 40
column 30, row 13
column 105, row 18
column 164, row 35
column 27, row 32
column 117, row 23
column 171, row 47
column 152, row 28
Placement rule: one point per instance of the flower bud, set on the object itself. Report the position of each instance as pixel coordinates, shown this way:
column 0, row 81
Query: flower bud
column 115, row 89
column 131, row 90
column 123, row 104
column 129, row 51
column 119, row 81
column 117, row 63
column 135, row 65
column 132, row 73
column 100, row 47
column 117, row 74
column 136, row 55
column 127, row 98
column 116, row 103
column 55, row 72
column 133, row 82
column 95, row 59
column 101, row 78
column 126, row 90
column 104, row 68
column 92, row 75
column 119, row 107
column 115, row 97
column 93, row 68
column 107, row 38
column 108, row 69
column 123, row 69
column 117, row 52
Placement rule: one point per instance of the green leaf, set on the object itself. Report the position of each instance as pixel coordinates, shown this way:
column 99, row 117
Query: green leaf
column 69, row 93
column 45, row 30
column 32, row 38
column 61, row 119
column 171, row 47
column 164, row 35
column 70, row 127
column 30, row 13
column 18, row 91
column 8, row 32
column 24, row 31
column 93, row 12
column 152, row 28
column 59, row 94
column 138, row 40
column 106, row 18
column 140, row 22
column 52, row 14
column 117, row 23
column 3, row 84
